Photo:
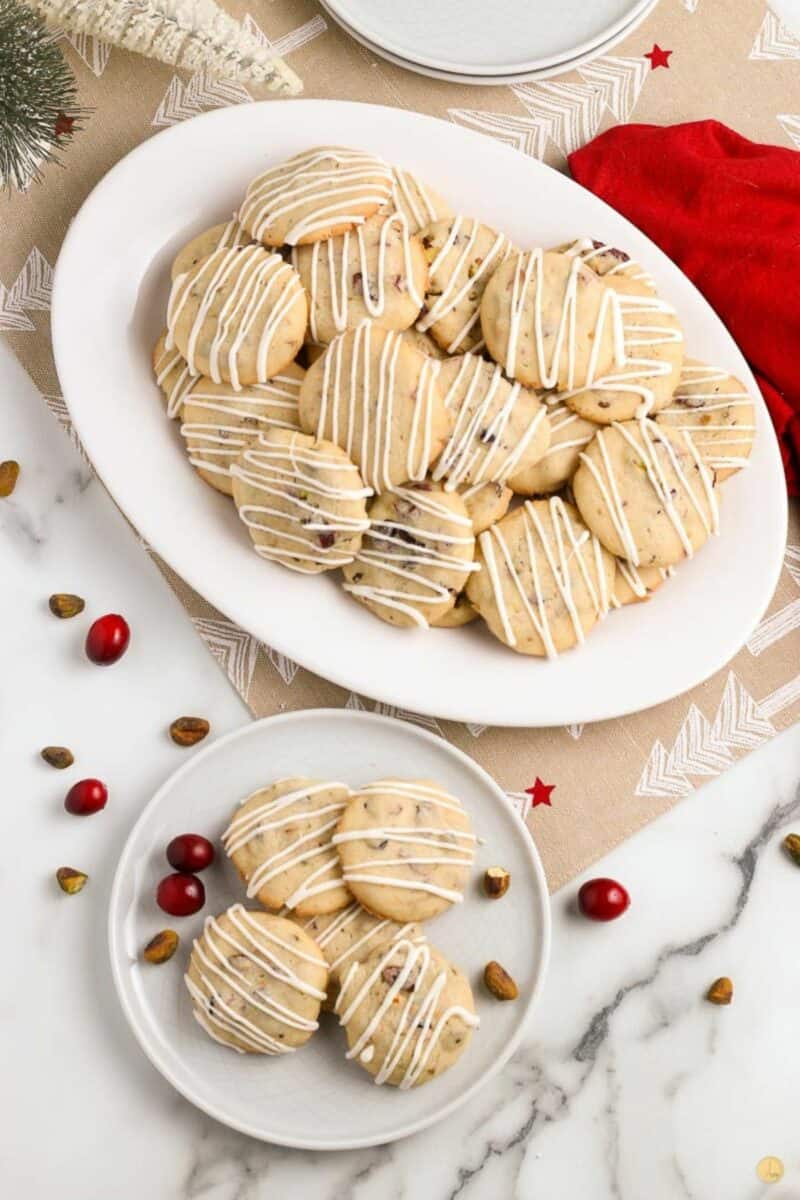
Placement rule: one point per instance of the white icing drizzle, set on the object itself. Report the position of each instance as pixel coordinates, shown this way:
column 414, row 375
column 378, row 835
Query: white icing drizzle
column 563, row 556
column 338, row 262
column 216, row 443
column 406, row 550
column 170, row 360
column 214, row 960
column 632, row 576
column 718, row 443
column 561, row 417
column 368, row 395
column 456, row 282
column 588, row 249
column 650, row 434
column 262, row 291
column 418, row 1028
column 474, row 448
column 411, row 197
column 451, row 847
column 639, row 370
column 335, row 182
column 301, row 482
column 528, row 265
column 272, row 814
column 338, row 923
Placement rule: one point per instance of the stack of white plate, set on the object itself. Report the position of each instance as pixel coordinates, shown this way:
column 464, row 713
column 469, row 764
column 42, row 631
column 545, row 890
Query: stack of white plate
column 504, row 41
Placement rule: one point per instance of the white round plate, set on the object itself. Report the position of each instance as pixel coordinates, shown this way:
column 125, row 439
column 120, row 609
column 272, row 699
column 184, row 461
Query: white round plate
column 314, row 1098
column 491, row 79
column 471, row 38
column 488, row 80
column 109, row 297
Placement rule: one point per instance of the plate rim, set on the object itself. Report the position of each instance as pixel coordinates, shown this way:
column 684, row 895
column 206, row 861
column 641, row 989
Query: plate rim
column 476, row 707
column 117, row 953
column 478, row 71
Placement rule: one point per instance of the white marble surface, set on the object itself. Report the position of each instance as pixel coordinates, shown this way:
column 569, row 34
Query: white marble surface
column 628, row 1087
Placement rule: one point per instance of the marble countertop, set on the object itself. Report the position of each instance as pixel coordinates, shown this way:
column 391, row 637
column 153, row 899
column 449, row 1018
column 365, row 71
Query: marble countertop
column 629, row 1086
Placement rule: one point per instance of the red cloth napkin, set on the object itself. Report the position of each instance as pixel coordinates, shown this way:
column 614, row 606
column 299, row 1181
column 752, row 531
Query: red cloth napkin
column 727, row 211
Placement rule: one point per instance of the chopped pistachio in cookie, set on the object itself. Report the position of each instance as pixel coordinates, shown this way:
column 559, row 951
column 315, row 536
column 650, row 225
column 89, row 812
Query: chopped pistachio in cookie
column 718, row 412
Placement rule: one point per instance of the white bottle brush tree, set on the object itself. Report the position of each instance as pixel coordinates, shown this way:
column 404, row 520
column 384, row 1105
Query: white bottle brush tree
column 194, row 34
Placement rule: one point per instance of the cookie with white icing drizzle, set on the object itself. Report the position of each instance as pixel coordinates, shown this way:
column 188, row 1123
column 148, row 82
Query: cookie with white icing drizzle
column 499, row 429
column 569, row 433
column 415, row 557
column 634, row 584
column 376, row 396
column 408, row 1014
column 172, row 375
column 351, row 935
column 226, row 235
column 419, row 203
column 256, row 982
column 302, row 500
column 424, row 342
column 551, row 322
column 279, row 840
column 644, row 490
column 462, row 254
column 314, row 195
column 462, row 613
column 717, row 410
column 239, row 315
column 545, row 581
column 406, row 849
column 607, row 260
column 219, row 423
column 486, row 503
column 375, row 272
column 654, row 348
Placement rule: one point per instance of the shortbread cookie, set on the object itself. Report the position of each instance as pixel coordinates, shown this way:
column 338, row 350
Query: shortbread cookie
column 569, row 433
column 315, row 195
column 652, row 339
column 256, row 982
column 352, row 935
column 417, row 201
column 377, row 397
column 462, row 613
column 634, row 584
column 302, row 500
column 227, row 235
column 485, row 503
column 239, row 315
column 280, row 843
column 408, row 1014
column 717, row 411
column 424, row 342
column 415, row 557
column 376, row 272
column 462, row 255
column 172, row 375
column 549, row 321
column 406, row 849
column 500, row 428
column 544, row 580
column 607, row 260
column 219, row 423
column 645, row 492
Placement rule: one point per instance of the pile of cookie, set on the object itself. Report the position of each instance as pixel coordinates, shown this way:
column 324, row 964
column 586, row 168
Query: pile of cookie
column 462, row 427
column 353, row 875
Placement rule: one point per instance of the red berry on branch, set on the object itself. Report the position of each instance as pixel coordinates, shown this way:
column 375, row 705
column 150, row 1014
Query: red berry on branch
column 603, row 899
column 190, row 852
column 85, row 797
column 180, row 894
column 107, row 639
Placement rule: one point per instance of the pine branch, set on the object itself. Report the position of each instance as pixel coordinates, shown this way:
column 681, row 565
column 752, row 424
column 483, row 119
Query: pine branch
column 195, row 34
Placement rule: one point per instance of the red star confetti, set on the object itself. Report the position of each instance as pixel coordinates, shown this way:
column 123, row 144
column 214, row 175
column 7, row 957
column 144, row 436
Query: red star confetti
column 63, row 124
column 540, row 793
column 658, row 57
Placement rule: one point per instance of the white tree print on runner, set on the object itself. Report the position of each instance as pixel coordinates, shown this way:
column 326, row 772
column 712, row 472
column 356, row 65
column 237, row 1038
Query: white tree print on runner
column 774, row 41
column 790, row 124
column 792, row 562
column 286, row 667
column 574, row 731
column 94, row 52
column 357, row 704
column 476, row 730
column 290, row 41
column 30, row 292
column 235, row 651
column 621, row 81
column 520, row 802
column 783, row 622
column 703, row 747
column 569, row 113
column 523, row 133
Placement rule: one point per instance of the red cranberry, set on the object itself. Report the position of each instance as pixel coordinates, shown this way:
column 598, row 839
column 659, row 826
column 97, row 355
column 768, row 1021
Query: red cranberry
column 190, row 852
column 603, row 899
column 180, row 894
column 85, row 797
column 107, row 639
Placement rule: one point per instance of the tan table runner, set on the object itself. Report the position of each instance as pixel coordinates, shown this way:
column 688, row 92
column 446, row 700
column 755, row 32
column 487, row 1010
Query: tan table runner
column 731, row 59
